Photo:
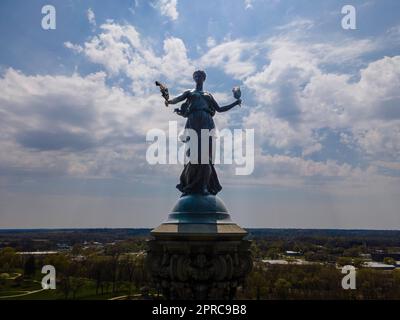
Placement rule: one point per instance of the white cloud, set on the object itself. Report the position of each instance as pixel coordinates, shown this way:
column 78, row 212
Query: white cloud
column 121, row 50
column 248, row 4
column 297, row 97
column 75, row 126
column 73, row 47
column 285, row 166
column 368, row 108
column 393, row 34
column 211, row 42
column 175, row 62
column 168, row 8
column 299, row 23
column 388, row 165
column 311, row 149
column 91, row 17
column 134, row 7
column 234, row 57
column 294, row 98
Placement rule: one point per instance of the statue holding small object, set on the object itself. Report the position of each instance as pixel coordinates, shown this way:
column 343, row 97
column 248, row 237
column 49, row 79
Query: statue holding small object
column 198, row 252
column 164, row 92
column 199, row 108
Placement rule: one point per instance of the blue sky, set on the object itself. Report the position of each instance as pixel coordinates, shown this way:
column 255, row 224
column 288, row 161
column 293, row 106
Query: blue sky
column 77, row 102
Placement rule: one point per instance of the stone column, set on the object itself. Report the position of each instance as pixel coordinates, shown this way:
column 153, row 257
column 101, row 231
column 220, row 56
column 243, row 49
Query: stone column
column 198, row 253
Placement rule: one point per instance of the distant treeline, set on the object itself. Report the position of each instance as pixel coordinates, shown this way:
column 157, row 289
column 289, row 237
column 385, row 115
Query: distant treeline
column 330, row 237
column 49, row 239
column 23, row 238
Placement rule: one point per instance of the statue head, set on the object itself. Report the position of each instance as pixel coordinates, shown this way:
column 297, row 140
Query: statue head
column 199, row 76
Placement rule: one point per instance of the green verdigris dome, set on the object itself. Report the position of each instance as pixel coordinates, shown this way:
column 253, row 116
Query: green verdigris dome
column 196, row 208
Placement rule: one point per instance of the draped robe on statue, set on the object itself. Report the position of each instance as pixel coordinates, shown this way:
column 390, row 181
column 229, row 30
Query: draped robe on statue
column 199, row 177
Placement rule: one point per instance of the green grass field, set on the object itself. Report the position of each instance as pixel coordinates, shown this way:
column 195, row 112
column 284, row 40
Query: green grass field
column 31, row 289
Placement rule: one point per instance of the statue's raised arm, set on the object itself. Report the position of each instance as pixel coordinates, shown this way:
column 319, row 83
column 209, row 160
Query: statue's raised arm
column 165, row 94
column 224, row 108
column 179, row 98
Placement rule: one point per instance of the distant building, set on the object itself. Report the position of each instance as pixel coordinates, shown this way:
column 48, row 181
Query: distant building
column 92, row 245
column 378, row 265
column 37, row 253
column 285, row 262
column 366, row 256
column 275, row 261
column 293, row 253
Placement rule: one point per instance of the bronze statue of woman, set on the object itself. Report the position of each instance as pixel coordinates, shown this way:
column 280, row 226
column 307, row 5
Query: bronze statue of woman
column 199, row 109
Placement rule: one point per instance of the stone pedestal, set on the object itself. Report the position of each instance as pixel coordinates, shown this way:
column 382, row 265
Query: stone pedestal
column 198, row 253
